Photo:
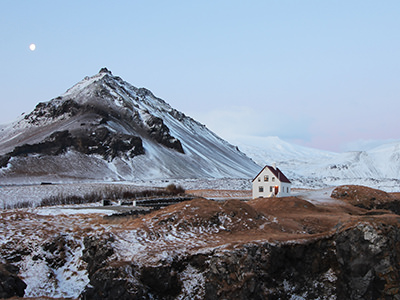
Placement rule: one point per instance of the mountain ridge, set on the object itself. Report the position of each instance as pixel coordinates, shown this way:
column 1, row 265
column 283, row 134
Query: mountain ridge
column 96, row 117
column 104, row 128
column 378, row 167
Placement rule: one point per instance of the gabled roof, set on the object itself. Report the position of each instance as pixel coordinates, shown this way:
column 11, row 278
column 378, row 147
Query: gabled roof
column 277, row 173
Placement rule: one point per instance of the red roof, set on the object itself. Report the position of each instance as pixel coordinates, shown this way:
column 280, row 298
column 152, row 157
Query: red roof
column 278, row 174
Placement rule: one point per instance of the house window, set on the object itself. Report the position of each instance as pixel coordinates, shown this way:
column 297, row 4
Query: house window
column 271, row 189
column 260, row 189
column 273, row 178
column 259, row 179
column 266, row 178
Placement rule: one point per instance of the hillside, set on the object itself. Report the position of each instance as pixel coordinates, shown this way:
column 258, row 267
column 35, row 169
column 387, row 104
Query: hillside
column 306, row 167
column 103, row 128
column 283, row 248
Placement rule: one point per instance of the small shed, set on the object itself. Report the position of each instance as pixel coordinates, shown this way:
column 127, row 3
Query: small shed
column 271, row 182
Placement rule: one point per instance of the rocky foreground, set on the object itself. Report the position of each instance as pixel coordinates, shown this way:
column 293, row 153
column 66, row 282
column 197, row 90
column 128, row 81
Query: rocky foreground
column 345, row 247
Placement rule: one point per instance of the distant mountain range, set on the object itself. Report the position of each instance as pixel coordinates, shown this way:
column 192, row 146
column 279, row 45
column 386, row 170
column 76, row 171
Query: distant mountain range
column 307, row 167
column 105, row 129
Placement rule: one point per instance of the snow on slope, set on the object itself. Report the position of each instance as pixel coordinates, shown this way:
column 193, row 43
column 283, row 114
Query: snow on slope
column 273, row 149
column 128, row 110
column 307, row 167
column 206, row 155
column 136, row 110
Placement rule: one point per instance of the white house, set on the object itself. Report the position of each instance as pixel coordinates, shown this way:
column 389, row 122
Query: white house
column 271, row 182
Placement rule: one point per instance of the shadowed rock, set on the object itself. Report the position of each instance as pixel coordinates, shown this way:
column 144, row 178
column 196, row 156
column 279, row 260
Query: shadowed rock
column 10, row 284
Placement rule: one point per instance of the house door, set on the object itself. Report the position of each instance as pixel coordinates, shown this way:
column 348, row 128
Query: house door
column 276, row 190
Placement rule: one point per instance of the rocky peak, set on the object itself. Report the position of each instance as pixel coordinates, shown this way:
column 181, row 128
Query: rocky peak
column 137, row 123
column 105, row 70
column 106, row 104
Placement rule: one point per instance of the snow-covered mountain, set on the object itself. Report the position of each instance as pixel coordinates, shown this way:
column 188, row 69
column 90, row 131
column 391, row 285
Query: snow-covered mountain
column 103, row 128
column 307, row 167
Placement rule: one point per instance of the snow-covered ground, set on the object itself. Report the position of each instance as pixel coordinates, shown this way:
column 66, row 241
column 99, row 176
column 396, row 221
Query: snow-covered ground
column 312, row 168
column 33, row 194
column 315, row 196
column 47, row 243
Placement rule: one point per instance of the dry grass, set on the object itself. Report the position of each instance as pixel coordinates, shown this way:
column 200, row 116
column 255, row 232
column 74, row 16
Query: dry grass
column 112, row 193
column 362, row 196
column 187, row 227
column 221, row 194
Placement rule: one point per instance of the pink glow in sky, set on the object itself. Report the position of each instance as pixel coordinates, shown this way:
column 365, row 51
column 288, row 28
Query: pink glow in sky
column 320, row 73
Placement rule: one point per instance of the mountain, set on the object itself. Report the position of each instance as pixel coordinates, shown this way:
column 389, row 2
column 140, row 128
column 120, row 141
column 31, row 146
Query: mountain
column 104, row 128
column 307, row 167
column 272, row 149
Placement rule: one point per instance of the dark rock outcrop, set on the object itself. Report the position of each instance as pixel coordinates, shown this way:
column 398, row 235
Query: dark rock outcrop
column 124, row 280
column 162, row 281
column 99, row 141
column 57, row 143
column 160, row 132
column 369, row 261
column 361, row 262
column 117, row 281
column 53, row 110
column 105, row 70
column 96, row 253
column 393, row 206
column 56, row 252
column 10, row 284
column 4, row 159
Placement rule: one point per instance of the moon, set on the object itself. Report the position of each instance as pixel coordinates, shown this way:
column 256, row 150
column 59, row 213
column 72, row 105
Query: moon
column 32, row 47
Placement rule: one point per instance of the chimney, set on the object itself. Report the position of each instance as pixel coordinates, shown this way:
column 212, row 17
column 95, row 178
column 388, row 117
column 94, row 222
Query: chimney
column 274, row 165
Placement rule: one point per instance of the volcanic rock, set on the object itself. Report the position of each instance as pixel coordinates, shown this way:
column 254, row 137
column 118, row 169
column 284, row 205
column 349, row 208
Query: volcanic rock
column 10, row 284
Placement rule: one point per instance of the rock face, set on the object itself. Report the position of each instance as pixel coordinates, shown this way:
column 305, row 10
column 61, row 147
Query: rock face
column 10, row 284
column 369, row 260
column 99, row 141
column 356, row 258
column 361, row 262
column 160, row 132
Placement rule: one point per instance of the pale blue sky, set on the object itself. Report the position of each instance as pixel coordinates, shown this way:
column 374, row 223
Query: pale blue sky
column 323, row 74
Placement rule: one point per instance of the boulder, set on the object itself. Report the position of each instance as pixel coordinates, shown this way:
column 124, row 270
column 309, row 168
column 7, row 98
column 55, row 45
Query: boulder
column 10, row 284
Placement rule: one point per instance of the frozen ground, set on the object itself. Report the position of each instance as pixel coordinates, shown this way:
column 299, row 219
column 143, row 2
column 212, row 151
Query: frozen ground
column 11, row 195
column 316, row 196
column 47, row 243
column 33, row 194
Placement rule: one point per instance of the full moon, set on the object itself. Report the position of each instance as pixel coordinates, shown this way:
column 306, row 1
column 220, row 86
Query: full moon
column 32, row 47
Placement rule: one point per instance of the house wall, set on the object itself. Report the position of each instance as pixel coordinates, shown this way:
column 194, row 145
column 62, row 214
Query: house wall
column 266, row 182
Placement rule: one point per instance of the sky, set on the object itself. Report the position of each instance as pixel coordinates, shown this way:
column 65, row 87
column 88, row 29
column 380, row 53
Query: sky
column 322, row 74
